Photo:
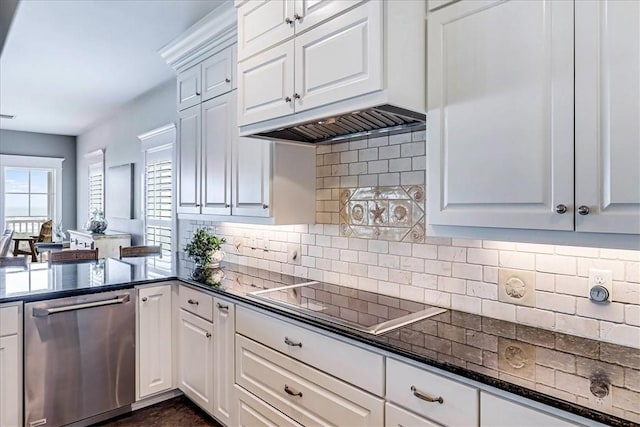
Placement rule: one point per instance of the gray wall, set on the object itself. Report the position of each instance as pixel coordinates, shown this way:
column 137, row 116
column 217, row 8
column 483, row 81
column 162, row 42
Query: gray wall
column 118, row 135
column 47, row 145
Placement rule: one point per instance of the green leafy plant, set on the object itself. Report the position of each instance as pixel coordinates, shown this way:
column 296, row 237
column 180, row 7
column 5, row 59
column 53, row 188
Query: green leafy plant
column 202, row 246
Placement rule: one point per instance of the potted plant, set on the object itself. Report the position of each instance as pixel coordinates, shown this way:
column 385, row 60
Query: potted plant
column 204, row 249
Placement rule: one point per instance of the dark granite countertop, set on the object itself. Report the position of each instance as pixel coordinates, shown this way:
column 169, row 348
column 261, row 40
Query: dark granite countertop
column 593, row 379
column 43, row 281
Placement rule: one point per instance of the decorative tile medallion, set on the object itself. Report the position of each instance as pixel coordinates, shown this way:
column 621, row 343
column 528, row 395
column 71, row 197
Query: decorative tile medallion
column 386, row 213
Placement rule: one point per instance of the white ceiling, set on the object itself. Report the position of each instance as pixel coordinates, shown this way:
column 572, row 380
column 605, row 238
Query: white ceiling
column 67, row 64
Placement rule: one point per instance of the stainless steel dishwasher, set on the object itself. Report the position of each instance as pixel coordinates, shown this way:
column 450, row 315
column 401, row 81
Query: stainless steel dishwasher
column 79, row 357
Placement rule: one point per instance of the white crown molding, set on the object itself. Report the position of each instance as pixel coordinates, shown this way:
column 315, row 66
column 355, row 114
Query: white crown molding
column 164, row 135
column 216, row 29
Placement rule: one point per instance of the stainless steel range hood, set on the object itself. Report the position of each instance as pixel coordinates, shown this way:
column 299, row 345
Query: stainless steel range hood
column 369, row 121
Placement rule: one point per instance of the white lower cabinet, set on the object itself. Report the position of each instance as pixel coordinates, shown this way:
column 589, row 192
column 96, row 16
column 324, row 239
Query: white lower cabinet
column 11, row 365
column 432, row 396
column 155, row 361
column 195, row 353
column 223, row 361
column 255, row 412
column 498, row 412
column 395, row 416
column 305, row 394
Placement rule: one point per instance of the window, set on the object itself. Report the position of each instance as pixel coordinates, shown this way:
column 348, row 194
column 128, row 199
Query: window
column 158, row 200
column 96, row 181
column 31, row 192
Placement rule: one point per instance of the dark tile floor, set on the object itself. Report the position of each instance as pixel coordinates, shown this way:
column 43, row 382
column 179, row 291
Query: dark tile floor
column 176, row 412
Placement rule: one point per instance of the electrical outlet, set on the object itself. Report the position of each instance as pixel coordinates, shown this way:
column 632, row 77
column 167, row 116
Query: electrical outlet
column 600, row 285
column 294, row 254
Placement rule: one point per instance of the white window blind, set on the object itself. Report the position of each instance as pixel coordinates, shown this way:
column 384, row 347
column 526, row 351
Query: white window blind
column 159, row 204
column 96, row 187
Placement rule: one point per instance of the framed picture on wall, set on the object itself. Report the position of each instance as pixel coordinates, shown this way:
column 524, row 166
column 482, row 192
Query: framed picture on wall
column 120, row 191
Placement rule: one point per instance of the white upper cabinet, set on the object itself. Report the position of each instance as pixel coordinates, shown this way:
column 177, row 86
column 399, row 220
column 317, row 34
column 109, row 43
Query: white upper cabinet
column 337, row 60
column 500, row 114
column 252, row 177
column 266, row 85
column 352, row 45
column 608, row 116
column 188, row 160
column 212, row 77
column 189, row 87
column 262, row 24
column 218, row 130
column 337, row 56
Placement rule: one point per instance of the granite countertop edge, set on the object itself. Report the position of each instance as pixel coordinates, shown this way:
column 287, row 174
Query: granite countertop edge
column 345, row 333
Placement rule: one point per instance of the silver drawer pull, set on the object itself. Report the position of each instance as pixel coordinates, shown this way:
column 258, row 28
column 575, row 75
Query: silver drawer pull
column 223, row 307
column 208, row 334
column 192, row 301
column 290, row 343
column 291, row 392
column 426, row 396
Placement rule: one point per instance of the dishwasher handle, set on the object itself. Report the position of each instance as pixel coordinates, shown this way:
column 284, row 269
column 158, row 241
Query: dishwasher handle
column 43, row 312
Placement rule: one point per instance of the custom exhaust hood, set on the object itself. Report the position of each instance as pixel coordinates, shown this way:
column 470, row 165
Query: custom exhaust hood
column 360, row 123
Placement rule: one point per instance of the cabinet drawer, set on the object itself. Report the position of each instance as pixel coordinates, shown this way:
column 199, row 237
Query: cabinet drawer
column 394, row 416
column 304, row 393
column 498, row 412
column 460, row 402
column 9, row 320
column 196, row 302
column 315, row 349
column 254, row 412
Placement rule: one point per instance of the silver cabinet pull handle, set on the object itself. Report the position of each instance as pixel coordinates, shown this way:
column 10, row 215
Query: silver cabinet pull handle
column 288, row 20
column 561, row 208
column 227, row 80
column 42, row 312
column 426, row 396
column 290, row 343
column 291, row 392
column 208, row 334
column 265, row 206
column 144, row 299
column 296, row 96
column 197, row 93
column 297, row 17
column 287, row 99
column 223, row 307
column 192, row 301
column 227, row 205
column 583, row 210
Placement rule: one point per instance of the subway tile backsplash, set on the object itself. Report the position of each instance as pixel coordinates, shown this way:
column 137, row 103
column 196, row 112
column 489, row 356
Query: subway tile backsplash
column 548, row 286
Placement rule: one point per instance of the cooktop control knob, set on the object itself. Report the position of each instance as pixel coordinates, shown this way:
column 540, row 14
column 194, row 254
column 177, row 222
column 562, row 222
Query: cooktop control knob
column 599, row 293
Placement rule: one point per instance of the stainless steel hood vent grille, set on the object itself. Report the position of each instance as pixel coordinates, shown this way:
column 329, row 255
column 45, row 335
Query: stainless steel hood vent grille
column 385, row 118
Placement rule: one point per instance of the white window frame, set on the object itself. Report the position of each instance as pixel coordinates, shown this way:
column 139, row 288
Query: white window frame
column 96, row 164
column 158, row 139
column 34, row 162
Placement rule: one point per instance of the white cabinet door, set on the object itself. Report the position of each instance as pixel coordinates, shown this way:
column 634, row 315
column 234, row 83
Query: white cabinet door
column 252, row 177
column 155, row 373
column 500, row 114
column 218, row 132
column 395, row 416
column 312, row 12
column 195, row 354
column 10, row 382
column 218, row 73
column 498, row 412
column 189, row 87
column 608, row 115
column 340, row 59
column 262, row 24
column 188, row 160
column 223, row 358
column 265, row 87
